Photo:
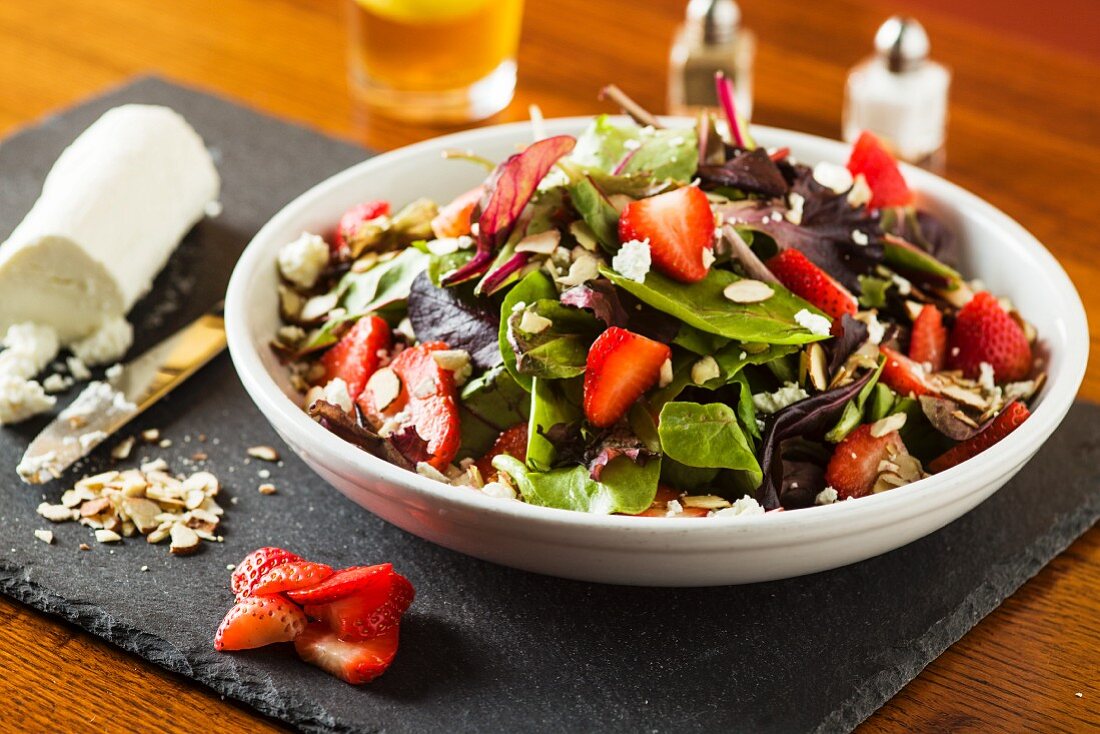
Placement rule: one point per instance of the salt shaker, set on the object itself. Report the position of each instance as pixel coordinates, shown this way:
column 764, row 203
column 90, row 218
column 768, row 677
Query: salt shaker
column 711, row 39
column 899, row 93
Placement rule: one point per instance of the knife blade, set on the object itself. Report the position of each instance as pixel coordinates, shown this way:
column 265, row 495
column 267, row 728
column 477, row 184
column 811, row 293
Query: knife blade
column 105, row 407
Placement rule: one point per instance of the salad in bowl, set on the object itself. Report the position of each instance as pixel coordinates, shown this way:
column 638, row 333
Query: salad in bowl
column 656, row 320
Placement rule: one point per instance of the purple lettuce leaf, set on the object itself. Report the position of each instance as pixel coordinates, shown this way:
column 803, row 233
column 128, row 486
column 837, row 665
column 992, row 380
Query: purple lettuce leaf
column 810, row 419
column 853, row 335
column 460, row 321
column 497, row 278
column 599, row 297
column 347, row 427
column 751, row 171
column 507, row 192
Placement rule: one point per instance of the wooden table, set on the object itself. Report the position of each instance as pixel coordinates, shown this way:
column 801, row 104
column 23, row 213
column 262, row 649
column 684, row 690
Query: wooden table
column 1023, row 133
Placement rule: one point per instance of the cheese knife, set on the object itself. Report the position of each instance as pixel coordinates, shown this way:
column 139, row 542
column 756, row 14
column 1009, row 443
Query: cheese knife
column 106, row 406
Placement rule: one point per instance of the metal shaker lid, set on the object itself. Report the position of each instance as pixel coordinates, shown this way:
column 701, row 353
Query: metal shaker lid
column 903, row 43
column 717, row 20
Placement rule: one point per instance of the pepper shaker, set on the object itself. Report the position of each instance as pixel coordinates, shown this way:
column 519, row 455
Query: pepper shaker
column 900, row 94
column 711, row 39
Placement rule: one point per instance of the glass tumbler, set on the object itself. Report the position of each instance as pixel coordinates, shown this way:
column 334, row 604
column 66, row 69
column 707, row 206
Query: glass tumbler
column 434, row 61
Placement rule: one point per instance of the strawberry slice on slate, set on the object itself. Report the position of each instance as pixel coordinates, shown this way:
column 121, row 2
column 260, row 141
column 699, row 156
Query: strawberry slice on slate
column 255, row 565
column 359, row 616
column 351, row 662
column 905, row 376
column 853, row 468
column 871, row 158
column 984, row 332
column 352, row 220
column 376, row 580
column 255, row 621
column 1007, row 421
column 291, row 576
column 356, row 356
column 511, row 441
column 679, row 226
column 809, row 282
column 621, row 366
column 928, row 343
column 424, row 396
column 453, row 220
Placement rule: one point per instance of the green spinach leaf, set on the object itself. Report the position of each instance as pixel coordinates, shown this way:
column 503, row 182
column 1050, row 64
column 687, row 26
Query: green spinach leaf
column 560, row 349
column 534, row 287
column 707, row 436
column 487, row 406
column 553, row 402
column 624, row 485
column 852, row 416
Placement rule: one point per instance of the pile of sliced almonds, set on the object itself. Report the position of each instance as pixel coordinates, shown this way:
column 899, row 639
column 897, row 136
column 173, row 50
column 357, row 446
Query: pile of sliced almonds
column 148, row 502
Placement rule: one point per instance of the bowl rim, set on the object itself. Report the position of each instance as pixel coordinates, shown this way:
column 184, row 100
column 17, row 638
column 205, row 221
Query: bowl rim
column 950, row 486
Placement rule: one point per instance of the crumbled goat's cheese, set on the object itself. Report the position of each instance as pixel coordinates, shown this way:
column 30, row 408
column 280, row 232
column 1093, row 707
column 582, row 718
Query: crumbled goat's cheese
column 633, row 260
column 673, row 508
column 812, row 322
column 705, row 370
column 106, row 344
column 875, row 329
column 744, row 506
column 860, row 237
column 585, row 267
column 665, row 378
column 797, row 203
column 336, row 392
column 499, row 490
column 534, row 323
column 985, row 377
column 302, row 260
column 78, row 369
column 860, row 193
column 57, row 383
column 20, row 399
column 773, row 402
column 450, row 245
column 29, row 348
column 833, row 176
column 826, row 496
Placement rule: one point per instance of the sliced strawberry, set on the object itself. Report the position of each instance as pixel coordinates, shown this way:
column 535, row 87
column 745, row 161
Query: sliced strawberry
column 453, row 220
column 621, row 366
column 853, row 469
column 351, row 662
column 659, row 508
column 353, row 219
column 375, row 579
column 428, row 403
column 255, row 621
column 871, row 158
column 511, row 441
column 928, row 344
column 255, row 565
column 291, row 576
column 1007, row 421
column 679, row 226
column 985, row 332
column 356, row 356
column 905, row 376
column 359, row 616
column 806, row 280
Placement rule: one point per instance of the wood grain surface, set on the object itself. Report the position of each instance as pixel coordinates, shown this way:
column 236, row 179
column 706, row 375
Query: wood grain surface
column 1024, row 133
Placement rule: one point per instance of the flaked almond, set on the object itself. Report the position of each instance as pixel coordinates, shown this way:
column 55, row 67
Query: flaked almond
column 886, row 425
column 184, row 540
column 97, row 481
column 267, row 488
column 452, row 360
column 817, row 367
column 706, row 501
column 142, row 512
column 748, row 290
column 161, row 532
column 961, row 395
column 542, row 243
column 94, row 507
column 263, row 453
column 384, row 386
column 73, row 497
column 57, row 513
column 154, row 466
column 150, row 435
column 107, row 536
column 128, row 529
column 212, row 507
column 123, row 448
column 46, row 536
column 201, row 481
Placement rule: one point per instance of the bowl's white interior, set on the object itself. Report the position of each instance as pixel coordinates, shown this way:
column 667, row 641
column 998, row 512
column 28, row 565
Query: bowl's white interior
column 1008, row 259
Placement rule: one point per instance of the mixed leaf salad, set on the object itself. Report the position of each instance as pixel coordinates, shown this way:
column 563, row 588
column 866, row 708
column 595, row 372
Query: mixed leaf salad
column 657, row 321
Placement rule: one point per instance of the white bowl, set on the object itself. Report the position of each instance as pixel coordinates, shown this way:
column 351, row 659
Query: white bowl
column 650, row 551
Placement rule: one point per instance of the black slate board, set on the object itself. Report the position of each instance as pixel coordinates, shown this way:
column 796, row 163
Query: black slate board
column 487, row 648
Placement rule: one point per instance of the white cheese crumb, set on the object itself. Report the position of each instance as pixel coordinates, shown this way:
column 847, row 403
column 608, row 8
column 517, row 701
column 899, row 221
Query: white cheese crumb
column 336, row 392
column 90, row 439
column 860, row 237
column 106, row 344
column 632, row 144
column 585, row 267
column 813, row 323
column 708, row 257
column 450, row 245
column 30, row 348
column 826, row 496
column 860, row 195
column 744, row 506
column 534, row 323
column 666, row 374
column 499, row 491
column 875, row 329
column 833, row 176
column 302, row 260
column 20, row 399
column 57, row 383
column 455, row 361
column 113, row 372
column 78, row 369
column 705, row 370
column 673, row 508
column 904, row 286
column 633, row 260
column 985, row 377
column 797, row 203
column 773, row 402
